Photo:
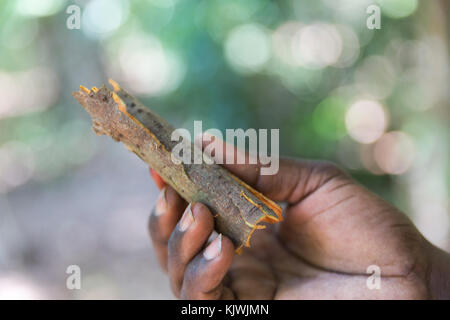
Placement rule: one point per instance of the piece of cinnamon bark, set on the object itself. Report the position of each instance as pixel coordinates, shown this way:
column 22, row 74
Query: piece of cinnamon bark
column 238, row 209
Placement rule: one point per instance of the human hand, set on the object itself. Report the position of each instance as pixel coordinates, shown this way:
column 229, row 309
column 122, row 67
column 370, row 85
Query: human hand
column 333, row 230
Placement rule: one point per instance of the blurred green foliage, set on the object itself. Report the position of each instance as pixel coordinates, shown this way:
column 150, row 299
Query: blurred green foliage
column 308, row 103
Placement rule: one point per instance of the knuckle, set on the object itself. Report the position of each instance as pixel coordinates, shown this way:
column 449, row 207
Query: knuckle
column 199, row 207
column 331, row 167
column 330, row 170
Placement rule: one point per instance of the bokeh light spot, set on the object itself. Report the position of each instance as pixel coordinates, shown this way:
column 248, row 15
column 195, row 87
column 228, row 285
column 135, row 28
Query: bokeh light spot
column 17, row 287
column 398, row 8
column 282, row 39
column 394, row 152
column 141, row 63
column 317, row 46
column 376, row 76
column 350, row 47
column 39, row 8
column 247, row 48
column 366, row 121
column 102, row 17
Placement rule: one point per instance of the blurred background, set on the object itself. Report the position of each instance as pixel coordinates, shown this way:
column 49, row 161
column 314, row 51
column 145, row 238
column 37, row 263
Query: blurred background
column 374, row 101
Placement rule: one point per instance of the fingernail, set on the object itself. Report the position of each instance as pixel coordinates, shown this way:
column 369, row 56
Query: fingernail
column 213, row 249
column 212, row 236
column 161, row 203
column 187, row 219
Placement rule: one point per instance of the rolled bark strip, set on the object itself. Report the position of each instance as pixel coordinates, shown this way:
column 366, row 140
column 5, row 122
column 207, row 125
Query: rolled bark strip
column 238, row 209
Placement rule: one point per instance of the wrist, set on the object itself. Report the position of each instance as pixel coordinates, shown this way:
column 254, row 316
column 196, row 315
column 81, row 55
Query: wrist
column 439, row 276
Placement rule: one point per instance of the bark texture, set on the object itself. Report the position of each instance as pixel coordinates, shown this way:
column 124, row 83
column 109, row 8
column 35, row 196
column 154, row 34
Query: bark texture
column 238, row 209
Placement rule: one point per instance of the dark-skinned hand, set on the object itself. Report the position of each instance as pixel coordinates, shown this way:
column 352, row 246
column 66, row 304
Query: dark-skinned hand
column 333, row 230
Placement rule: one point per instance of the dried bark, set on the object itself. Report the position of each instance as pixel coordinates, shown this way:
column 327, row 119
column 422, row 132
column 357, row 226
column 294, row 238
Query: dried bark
column 238, row 209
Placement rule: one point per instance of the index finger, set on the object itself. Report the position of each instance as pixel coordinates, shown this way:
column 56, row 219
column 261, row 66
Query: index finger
column 292, row 182
column 157, row 178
